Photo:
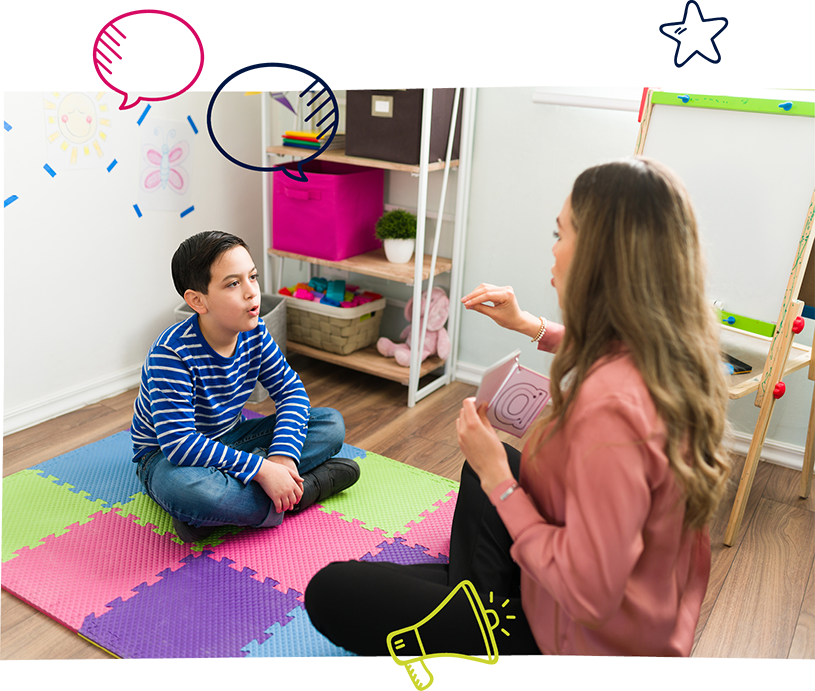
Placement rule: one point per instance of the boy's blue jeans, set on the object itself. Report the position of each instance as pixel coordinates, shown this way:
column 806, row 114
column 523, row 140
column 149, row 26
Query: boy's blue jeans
column 209, row 496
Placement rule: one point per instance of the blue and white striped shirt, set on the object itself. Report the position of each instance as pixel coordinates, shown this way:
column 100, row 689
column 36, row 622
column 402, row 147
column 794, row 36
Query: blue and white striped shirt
column 190, row 396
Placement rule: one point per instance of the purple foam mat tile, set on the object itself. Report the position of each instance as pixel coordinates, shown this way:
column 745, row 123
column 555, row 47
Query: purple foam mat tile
column 299, row 547
column 77, row 573
column 397, row 552
column 103, row 469
column 204, row 609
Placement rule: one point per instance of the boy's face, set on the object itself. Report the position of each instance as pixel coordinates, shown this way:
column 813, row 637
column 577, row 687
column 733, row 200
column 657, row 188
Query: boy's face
column 232, row 303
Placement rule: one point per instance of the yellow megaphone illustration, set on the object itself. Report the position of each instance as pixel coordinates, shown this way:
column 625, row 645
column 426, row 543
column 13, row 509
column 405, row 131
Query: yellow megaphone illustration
column 423, row 633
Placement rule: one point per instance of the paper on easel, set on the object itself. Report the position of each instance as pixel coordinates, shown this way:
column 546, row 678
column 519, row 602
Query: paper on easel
column 515, row 395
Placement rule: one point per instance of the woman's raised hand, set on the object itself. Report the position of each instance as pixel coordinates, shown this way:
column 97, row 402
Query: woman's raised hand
column 504, row 311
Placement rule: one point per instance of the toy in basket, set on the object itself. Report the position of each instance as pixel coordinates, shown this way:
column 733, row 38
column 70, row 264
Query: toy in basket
column 332, row 316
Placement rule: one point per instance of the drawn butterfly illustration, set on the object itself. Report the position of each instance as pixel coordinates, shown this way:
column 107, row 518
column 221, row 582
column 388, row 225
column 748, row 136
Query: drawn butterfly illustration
column 164, row 170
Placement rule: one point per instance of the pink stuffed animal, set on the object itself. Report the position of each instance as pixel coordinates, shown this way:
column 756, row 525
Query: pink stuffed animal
column 437, row 340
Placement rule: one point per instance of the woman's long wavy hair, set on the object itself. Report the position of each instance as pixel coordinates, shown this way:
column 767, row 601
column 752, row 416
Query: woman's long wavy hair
column 637, row 277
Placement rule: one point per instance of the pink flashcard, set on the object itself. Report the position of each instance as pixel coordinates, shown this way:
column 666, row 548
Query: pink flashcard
column 515, row 395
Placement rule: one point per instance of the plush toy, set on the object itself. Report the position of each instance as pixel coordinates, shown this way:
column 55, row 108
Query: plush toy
column 437, row 341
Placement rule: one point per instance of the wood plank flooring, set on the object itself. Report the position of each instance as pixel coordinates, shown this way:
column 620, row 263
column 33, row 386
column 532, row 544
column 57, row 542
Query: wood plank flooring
column 760, row 601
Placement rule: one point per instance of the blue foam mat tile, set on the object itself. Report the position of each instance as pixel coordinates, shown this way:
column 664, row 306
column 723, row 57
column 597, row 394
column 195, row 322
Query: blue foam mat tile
column 103, row 469
column 295, row 638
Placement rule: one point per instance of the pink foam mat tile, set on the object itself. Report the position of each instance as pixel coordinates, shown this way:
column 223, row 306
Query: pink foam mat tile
column 433, row 531
column 295, row 550
column 73, row 575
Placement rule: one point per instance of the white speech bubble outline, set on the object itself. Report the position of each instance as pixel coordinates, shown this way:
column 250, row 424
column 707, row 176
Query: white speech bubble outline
column 156, row 79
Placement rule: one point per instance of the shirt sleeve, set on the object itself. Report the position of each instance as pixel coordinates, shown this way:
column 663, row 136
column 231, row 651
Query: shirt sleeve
column 551, row 339
column 292, row 406
column 586, row 563
column 170, row 393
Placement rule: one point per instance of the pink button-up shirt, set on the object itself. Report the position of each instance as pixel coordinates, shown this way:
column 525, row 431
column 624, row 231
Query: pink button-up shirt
column 606, row 567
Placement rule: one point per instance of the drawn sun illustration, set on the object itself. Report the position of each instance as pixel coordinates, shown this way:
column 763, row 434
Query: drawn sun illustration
column 77, row 129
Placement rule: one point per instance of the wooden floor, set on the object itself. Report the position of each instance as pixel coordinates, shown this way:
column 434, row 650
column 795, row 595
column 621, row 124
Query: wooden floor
column 761, row 598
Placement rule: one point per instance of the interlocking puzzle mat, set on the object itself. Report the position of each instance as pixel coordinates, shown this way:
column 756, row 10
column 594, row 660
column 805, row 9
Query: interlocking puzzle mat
column 83, row 544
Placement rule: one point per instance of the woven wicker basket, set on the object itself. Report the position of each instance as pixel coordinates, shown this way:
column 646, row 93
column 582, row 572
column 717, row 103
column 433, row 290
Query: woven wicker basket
column 333, row 329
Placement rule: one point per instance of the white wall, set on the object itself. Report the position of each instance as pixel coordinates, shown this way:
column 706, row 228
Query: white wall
column 88, row 287
column 87, row 282
column 526, row 157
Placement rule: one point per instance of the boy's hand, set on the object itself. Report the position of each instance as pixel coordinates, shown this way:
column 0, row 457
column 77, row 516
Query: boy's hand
column 280, row 480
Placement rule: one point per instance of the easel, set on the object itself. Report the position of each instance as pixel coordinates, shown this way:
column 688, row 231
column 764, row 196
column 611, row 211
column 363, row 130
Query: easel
column 783, row 356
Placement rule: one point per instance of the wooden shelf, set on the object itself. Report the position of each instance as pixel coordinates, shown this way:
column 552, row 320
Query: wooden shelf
column 374, row 264
column 367, row 360
column 753, row 349
column 339, row 156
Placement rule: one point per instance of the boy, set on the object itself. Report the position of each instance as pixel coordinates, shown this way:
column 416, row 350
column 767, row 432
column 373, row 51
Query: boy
column 197, row 456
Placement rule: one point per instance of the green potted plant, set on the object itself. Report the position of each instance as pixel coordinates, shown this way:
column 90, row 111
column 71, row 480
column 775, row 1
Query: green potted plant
column 397, row 230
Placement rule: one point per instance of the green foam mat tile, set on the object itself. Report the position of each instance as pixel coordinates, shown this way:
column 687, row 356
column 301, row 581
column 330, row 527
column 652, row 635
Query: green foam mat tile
column 146, row 512
column 382, row 499
column 48, row 509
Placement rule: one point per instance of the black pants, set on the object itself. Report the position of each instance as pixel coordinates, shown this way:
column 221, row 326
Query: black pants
column 357, row 604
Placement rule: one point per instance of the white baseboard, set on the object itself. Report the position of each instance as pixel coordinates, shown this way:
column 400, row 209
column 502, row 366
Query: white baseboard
column 69, row 400
column 777, row 452
column 468, row 373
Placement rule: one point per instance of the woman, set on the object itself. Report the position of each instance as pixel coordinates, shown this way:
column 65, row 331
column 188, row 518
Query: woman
column 597, row 534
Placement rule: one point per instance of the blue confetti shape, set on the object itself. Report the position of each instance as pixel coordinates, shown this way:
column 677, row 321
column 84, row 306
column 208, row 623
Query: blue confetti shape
column 187, row 211
column 8, row 200
column 143, row 115
column 112, row 165
column 138, row 210
column 192, row 124
column 6, row 126
column 785, row 106
column 48, row 169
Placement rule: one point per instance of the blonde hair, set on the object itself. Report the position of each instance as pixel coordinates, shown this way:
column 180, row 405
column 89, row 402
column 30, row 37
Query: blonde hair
column 638, row 278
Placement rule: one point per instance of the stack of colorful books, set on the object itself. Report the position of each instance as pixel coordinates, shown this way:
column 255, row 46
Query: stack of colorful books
column 308, row 140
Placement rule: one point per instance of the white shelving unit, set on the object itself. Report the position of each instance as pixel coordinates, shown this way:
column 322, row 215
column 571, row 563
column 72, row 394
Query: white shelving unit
column 419, row 274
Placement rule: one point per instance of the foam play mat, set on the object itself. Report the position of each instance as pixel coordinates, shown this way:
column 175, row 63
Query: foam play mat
column 83, row 544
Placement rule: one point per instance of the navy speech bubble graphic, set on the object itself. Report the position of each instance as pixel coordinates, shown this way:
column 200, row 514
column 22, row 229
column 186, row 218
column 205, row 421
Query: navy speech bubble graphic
column 283, row 39
column 711, row 36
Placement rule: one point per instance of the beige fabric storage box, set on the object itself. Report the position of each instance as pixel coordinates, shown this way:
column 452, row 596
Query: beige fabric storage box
column 338, row 330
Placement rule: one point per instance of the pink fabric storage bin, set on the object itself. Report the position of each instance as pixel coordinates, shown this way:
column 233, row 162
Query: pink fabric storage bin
column 331, row 216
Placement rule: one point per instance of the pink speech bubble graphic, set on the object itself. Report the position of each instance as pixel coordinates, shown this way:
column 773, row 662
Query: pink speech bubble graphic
column 106, row 41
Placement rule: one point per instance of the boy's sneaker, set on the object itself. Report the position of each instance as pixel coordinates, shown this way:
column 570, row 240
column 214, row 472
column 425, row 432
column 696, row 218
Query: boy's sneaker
column 333, row 476
column 191, row 533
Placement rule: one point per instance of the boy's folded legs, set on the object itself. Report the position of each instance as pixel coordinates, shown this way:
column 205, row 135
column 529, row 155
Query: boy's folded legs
column 202, row 499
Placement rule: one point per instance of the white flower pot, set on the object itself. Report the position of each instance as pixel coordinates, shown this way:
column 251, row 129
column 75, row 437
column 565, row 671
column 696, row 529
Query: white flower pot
column 399, row 251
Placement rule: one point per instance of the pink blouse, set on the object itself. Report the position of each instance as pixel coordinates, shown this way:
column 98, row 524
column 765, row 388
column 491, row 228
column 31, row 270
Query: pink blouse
column 606, row 567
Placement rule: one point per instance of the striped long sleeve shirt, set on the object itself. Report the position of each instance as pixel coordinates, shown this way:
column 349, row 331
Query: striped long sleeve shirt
column 190, row 396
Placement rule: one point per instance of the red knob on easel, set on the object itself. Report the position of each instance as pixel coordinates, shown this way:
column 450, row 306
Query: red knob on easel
column 797, row 325
column 779, row 390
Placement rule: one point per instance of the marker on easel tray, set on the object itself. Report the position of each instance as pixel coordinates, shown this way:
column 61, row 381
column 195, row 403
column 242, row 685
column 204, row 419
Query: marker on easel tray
column 684, row 98
column 786, row 106
column 730, row 320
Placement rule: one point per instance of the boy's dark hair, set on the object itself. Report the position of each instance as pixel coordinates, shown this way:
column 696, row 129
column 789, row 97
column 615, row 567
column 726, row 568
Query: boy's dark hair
column 193, row 260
